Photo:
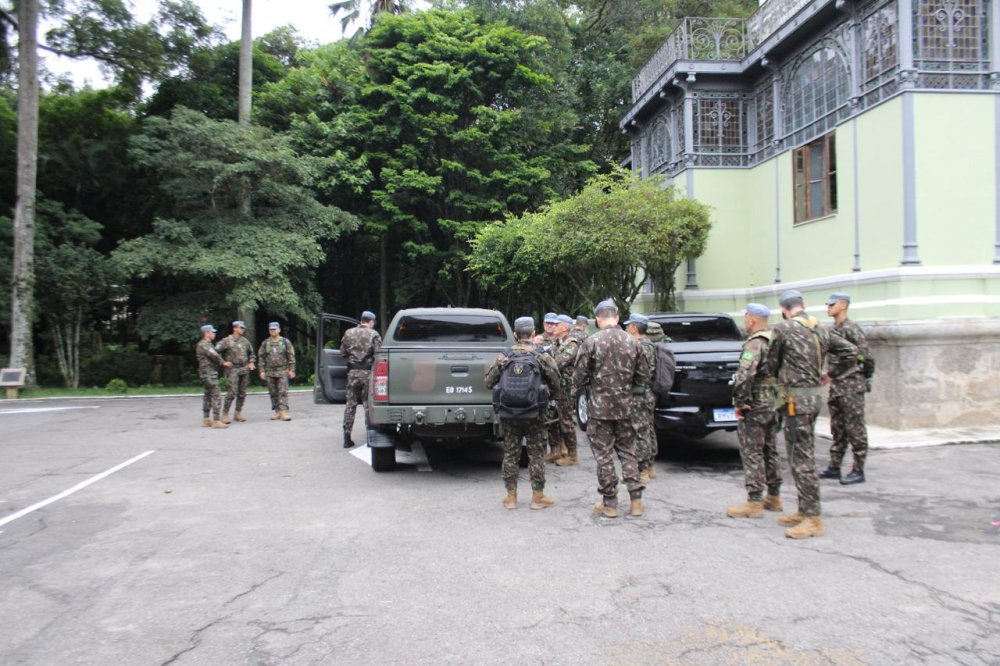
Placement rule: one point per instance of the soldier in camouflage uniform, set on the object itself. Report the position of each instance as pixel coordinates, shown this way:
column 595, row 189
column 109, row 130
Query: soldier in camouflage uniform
column 548, row 343
column 358, row 346
column 654, row 333
column 795, row 357
column 753, row 399
column 643, row 406
column 580, row 328
column 209, row 364
column 532, row 431
column 848, row 376
column 239, row 352
column 565, row 356
column 277, row 366
column 613, row 369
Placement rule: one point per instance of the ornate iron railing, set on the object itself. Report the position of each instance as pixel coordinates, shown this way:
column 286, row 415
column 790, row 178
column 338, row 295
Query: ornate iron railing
column 699, row 38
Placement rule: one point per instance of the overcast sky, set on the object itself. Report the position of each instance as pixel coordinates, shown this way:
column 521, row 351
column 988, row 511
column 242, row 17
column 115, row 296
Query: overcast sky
column 311, row 18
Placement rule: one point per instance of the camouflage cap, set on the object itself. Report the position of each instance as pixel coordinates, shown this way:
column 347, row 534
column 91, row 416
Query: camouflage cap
column 565, row 319
column 551, row 318
column 637, row 319
column 654, row 332
column 367, row 315
column 524, row 324
column 273, row 325
column 838, row 296
column 789, row 295
column 239, row 323
column 758, row 310
column 208, row 328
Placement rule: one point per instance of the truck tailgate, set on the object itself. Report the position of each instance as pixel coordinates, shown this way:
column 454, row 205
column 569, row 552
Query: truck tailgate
column 452, row 375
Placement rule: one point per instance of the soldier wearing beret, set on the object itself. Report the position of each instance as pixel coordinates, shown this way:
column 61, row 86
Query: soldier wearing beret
column 531, row 430
column 358, row 346
column 753, row 399
column 239, row 352
column 277, row 366
column 209, row 364
column 848, row 376
column 795, row 357
column 613, row 369
column 644, row 406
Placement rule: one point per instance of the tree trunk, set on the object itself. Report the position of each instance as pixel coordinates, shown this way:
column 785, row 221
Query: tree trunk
column 23, row 277
column 246, row 313
column 383, row 281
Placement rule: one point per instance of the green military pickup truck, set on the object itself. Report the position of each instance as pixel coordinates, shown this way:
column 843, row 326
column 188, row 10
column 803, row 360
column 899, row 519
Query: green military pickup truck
column 427, row 379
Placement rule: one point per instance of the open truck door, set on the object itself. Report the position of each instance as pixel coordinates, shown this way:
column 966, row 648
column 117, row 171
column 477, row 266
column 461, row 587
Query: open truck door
column 331, row 366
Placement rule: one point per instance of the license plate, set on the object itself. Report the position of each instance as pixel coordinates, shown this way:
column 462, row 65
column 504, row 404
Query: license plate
column 723, row 415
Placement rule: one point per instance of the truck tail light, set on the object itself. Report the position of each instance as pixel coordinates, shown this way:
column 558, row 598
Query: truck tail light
column 380, row 383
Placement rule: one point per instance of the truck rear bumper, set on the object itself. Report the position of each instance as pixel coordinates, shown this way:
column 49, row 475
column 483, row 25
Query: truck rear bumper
column 437, row 420
column 690, row 419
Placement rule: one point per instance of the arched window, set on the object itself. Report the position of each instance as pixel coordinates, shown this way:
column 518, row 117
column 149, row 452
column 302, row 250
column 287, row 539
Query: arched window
column 659, row 145
column 818, row 86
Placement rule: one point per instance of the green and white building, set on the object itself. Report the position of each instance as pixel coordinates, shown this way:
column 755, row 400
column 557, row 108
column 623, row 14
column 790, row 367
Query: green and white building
column 846, row 146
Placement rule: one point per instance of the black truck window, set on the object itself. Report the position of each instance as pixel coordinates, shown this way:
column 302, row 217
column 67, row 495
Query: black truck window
column 449, row 328
column 700, row 329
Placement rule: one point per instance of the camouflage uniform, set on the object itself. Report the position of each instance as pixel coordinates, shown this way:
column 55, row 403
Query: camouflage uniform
column 532, row 431
column 565, row 353
column 643, row 409
column 358, row 346
column 578, row 334
column 209, row 363
column 795, row 357
column 239, row 352
column 847, row 396
column 610, row 365
column 277, row 359
column 754, row 394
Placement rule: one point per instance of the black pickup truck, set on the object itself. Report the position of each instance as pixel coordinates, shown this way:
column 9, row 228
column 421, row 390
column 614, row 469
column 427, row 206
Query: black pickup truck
column 707, row 349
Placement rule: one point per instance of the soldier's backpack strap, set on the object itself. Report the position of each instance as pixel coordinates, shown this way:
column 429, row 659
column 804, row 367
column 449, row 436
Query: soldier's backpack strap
column 810, row 325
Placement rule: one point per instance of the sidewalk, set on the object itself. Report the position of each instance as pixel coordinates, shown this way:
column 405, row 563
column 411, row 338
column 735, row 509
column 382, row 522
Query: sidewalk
column 886, row 438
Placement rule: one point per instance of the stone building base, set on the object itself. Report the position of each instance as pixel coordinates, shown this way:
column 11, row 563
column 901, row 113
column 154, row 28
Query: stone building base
column 935, row 373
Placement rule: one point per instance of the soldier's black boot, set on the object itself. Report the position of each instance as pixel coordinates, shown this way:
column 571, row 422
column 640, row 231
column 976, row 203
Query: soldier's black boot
column 856, row 476
column 348, row 442
column 830, row 472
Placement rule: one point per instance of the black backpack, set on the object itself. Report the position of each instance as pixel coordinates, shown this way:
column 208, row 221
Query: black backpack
column 520, row 394
column 664, row 368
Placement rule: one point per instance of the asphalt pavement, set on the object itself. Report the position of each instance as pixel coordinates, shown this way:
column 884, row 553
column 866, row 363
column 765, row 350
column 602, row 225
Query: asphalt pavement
column 130, row 535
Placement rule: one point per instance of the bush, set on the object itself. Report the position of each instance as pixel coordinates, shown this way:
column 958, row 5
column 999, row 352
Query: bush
column 129, row 365
column 117, row 385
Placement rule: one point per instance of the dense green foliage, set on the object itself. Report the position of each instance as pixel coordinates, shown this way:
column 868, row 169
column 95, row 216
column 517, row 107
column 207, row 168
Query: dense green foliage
column 379, row 169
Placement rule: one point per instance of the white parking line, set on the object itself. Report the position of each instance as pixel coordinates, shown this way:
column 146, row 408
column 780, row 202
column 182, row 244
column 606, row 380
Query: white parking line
column 67, row 493
column 31, row 410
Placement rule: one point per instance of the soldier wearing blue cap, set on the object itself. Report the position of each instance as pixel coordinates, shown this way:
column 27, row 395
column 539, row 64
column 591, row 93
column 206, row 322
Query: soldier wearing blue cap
column 549, row 322
column 612, row 368
column 562, row 429
column 795, row 357
column 238, row 351
column 358, row 346
column 644, row 405
column 757, row 425
column 529, row 369
column 580, row 328
column 209, row 364
column 849, row 378
column 277, row 366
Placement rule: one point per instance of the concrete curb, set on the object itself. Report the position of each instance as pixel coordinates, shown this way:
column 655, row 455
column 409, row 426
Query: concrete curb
column 885, row 438
column 16, row 401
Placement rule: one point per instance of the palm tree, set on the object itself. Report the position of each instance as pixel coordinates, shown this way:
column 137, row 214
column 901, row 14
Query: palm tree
column 352, row 11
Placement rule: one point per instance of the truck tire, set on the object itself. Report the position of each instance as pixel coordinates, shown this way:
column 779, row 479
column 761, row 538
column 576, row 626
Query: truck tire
column 582, row 416
column 383, row 458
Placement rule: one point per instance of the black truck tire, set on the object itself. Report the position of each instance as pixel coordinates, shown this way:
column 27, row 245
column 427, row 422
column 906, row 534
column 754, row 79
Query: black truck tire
column 582, row 416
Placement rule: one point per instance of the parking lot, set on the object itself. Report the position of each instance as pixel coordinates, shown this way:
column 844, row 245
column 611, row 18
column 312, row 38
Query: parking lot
column 268, row 543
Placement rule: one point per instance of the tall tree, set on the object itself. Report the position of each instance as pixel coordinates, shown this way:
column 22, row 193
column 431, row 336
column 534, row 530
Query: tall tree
column 351, row 12
column 23, row 279
column 249, row 316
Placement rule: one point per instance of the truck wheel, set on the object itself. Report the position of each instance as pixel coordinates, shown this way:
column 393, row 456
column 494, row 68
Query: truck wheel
column 383, row 458
column 581, row 410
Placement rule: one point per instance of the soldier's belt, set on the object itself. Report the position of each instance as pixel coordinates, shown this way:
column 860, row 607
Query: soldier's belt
column 805, row 391
column 359, row 366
